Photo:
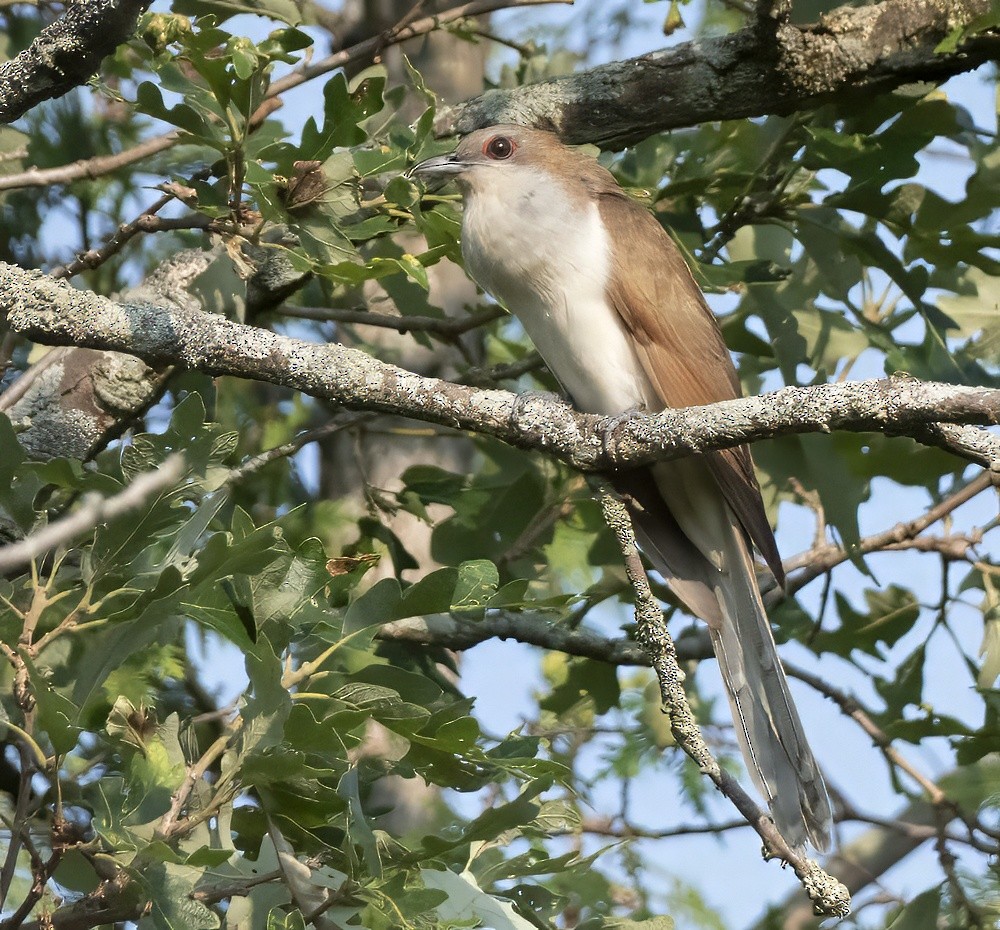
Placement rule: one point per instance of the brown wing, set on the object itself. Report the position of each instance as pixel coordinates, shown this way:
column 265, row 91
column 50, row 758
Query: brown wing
column 681, row 347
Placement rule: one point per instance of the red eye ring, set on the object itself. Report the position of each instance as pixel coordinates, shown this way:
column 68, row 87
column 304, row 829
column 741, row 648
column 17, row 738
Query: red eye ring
column 499, row 147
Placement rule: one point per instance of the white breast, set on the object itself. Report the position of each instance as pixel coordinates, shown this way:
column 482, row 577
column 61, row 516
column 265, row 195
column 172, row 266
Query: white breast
column 549, row 264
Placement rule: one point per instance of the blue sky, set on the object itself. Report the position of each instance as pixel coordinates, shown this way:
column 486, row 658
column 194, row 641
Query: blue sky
column 732, row 876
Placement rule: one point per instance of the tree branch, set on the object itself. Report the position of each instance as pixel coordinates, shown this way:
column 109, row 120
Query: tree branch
column 456, row 633
column 821, row 559
column 105, row 164
column 453, row 632
column 771, row 67
column 75, row 400
column 145, row 222
column 66, row 53
column 92, row 510
column 829, row 897
column 52, row 312
column 401, row 33
column 91, row 168
column 446, row 326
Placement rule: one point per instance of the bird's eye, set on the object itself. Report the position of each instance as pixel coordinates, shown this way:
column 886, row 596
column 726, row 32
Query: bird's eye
column 499, row 147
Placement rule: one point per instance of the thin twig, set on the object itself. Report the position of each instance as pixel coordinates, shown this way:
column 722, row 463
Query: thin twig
column 820, row 560
column 106, row 164
column 95, row 167
column 974, row 918
column 627, row 831
column 42, row 871
column 828, row 895
column 147, row 221
column 394, row 36
column 443, row 326
column 607, row 827
column 239, row 889
column 18, row 823
column 524, row 49
column 481, row 377
column 171, row 822
column 93, row 510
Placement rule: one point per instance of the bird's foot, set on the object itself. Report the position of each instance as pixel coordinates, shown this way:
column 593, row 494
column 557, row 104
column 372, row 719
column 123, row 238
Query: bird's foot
column 609, row 444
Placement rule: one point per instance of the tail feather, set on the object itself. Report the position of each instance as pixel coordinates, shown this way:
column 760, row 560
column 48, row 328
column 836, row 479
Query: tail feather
column 768, row 728
column 696, row 542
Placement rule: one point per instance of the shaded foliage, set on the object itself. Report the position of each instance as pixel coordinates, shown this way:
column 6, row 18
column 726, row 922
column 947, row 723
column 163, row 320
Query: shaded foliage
column 831, row 253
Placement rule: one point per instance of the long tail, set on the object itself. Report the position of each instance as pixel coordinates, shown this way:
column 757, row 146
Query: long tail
column 768, row 727
column 694, row 539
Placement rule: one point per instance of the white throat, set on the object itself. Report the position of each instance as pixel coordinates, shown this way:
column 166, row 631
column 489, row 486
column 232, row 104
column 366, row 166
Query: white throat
column 546, row 255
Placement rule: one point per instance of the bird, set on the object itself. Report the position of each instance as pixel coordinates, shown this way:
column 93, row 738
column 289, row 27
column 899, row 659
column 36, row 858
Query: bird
column 609, row 302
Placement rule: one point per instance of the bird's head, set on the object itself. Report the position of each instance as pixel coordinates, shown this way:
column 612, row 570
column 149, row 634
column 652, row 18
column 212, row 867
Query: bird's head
column 486, row 151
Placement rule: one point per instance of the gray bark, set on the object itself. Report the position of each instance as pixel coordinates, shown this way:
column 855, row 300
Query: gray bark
column 54, row 313
column 66, row 53
column 770, row 67
column 75, row 400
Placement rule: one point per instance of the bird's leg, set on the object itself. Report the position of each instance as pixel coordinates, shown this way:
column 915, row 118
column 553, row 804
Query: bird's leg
column 608, row 445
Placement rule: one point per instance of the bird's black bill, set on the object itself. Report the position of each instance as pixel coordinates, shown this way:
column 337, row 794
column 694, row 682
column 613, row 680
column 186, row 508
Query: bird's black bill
column 440, row 166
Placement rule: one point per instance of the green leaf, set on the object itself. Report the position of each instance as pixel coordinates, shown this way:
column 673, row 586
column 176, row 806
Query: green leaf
column 169, row 888
column 280, row 919
column 344, row 110
column 577, row 678
column 501, row 818
column 57, row 714
column 490, row 517
column 432, row 484
column 920, row 914
column 149, row 100
column 468, row 903
column 905, row 687
column 477, row 583
column 359, row 830
column 379, row 604
column 287, row 11
column 891, row 614
column 267, row 708
column 154, row 772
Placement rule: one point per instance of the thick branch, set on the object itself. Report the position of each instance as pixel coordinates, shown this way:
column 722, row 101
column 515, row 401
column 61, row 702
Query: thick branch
column 771, row 67
column 75, row 400
column 66, row 54
column 52, row 312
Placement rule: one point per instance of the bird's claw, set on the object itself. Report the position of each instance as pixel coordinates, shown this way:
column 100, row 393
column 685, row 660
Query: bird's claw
column 608, row 445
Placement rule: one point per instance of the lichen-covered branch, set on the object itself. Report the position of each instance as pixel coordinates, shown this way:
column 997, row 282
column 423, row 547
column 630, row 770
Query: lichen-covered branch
column 76, row 399
column 771, row 67
column 829, row 896
column 65, row 54
column 54, row 313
